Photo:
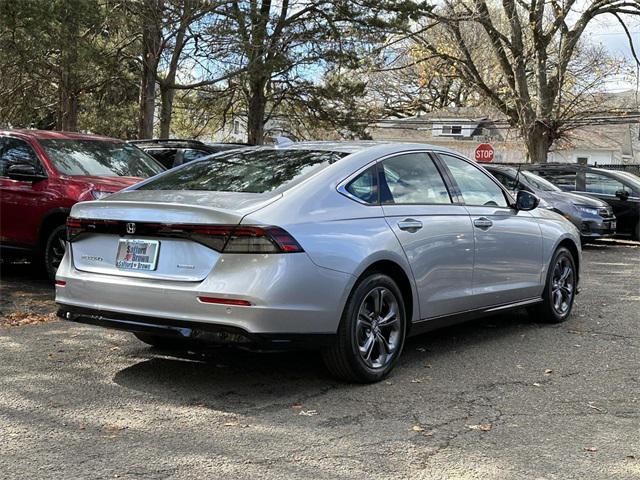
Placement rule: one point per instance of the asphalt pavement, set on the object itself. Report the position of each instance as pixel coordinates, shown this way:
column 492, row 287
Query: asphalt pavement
column 499, row 398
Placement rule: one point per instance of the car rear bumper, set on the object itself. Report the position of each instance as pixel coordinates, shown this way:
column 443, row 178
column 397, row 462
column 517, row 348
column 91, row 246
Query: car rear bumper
column 204, row 333
column 288, row 294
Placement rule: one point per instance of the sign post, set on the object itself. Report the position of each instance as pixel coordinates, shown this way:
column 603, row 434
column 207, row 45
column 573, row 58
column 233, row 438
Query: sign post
column 484, row 153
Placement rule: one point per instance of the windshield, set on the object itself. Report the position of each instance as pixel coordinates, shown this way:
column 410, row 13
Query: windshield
column 100, row 158
column 539, row 183
column 251, row 171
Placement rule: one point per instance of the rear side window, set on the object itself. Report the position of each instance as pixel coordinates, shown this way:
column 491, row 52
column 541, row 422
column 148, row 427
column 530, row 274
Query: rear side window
column 251, row 171
column 411, row 178
column 476, row 187
column 365, row 186
column 566, row 180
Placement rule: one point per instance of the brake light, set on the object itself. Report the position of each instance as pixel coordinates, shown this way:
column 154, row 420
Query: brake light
column 61, row 283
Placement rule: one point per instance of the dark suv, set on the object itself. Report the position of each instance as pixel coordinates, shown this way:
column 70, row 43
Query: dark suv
column 619, row 189
column 593, row 217
column 43, row 173
column 171, row 152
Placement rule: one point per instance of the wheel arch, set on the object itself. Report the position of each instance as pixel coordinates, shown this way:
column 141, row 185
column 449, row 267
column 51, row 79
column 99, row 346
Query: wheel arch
column 52, row 219
column 402, row 279
column 570, row 245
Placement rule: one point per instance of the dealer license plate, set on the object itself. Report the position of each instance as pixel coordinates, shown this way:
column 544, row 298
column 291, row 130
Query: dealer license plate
column 137, row 254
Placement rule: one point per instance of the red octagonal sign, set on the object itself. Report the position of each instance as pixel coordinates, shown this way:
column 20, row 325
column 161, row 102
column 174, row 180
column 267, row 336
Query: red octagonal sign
column 484, row 153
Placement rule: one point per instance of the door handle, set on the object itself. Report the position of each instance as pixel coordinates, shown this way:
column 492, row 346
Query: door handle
column 483, row 222
column 410, row 225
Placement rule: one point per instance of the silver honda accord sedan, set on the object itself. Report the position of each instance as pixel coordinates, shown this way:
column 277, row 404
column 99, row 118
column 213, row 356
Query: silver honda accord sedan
column 349, row 247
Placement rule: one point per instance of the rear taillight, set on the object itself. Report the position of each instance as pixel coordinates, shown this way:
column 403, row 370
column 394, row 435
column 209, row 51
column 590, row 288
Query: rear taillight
column 260, row 240
column 222, row 238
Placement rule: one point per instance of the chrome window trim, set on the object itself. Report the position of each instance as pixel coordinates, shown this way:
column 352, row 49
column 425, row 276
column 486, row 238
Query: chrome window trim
column 342, row 185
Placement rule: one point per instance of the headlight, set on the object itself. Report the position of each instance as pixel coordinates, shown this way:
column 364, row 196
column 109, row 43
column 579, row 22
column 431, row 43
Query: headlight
column 544, row 204
column 589, row 210
column 98, row 194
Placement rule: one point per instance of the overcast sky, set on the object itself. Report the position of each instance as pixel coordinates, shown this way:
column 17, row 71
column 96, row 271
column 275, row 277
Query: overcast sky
column 607, row 31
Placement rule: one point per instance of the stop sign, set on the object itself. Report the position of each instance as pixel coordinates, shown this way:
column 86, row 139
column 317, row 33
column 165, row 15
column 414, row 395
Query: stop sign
column 484, row 153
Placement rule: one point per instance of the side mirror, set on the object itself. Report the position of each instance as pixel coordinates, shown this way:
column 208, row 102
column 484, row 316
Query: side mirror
column 526, row 200
column 622, row 194
column 25, row 172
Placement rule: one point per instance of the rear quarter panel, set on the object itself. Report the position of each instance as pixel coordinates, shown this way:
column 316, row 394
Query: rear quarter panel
column 336, row 232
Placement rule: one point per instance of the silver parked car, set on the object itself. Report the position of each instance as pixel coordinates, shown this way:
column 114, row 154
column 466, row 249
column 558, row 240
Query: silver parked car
column 347, row 246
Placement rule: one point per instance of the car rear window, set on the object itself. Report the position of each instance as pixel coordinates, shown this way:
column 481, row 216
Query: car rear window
column 100, row 158
column 251, row 171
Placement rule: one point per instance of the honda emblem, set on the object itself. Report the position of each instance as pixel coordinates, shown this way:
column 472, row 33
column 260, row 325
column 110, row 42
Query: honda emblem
column 131, row 228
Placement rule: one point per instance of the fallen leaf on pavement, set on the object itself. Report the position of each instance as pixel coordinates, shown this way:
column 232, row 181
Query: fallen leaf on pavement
column 590, row 449
column 308, row 413
column 296, row 405
column 416, row 381
column 16, row 319
column 536, row 384
column 485, row 427
column 417, row 428
column 548, row 371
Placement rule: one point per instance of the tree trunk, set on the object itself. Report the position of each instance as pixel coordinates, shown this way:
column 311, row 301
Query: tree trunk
column 539, row 139
column 256, row 113
column 151, row 43
column 166, row 109
column 67, row 117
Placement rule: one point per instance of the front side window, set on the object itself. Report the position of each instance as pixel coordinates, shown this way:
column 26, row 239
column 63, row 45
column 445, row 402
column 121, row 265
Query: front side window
column 250, row 170
column 14, row 151
column 99, row 158
column 476, row 187
column 602, row 184
column 411, row 178
column 365, row 186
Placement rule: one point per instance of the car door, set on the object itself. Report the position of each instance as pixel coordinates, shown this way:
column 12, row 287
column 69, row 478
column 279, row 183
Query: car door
column 21, row 201
column 435, row 233
column 508, row 242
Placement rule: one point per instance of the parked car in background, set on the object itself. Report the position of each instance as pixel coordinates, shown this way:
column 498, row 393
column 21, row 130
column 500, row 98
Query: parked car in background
column 43, row 173
column 348, row 246
column 621, row 190
column 594, row 218
column 172, row 152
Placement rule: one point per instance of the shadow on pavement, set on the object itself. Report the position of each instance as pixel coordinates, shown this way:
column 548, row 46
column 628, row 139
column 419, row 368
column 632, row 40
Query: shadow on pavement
column 234, row 380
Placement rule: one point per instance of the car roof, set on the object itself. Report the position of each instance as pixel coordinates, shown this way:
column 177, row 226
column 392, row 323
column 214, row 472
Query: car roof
column 55, row 135
column 354, row 146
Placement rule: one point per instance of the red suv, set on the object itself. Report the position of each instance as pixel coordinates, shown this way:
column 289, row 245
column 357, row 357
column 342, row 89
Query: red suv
column 43, row 173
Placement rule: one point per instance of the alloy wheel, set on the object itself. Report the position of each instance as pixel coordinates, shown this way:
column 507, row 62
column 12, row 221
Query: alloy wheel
column 562, row 285
column 378, row 328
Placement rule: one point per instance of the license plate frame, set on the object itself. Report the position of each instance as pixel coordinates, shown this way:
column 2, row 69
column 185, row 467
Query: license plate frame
column 141, row 259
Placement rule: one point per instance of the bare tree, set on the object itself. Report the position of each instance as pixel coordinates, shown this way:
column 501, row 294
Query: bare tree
column 516, row 54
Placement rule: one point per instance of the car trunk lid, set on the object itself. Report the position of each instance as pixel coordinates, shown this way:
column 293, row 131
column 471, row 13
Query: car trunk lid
column 140, row 234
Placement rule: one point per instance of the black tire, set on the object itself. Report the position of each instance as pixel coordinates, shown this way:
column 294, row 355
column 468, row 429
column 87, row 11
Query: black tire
column 54, row 248
column 637, row 232
column 163, row 342
column 554, row 309
column 344, row 359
